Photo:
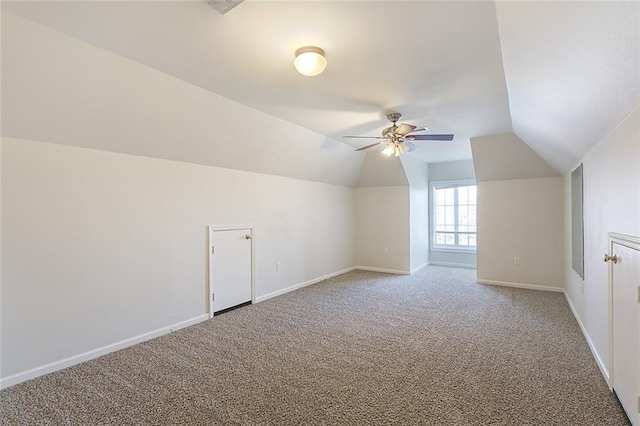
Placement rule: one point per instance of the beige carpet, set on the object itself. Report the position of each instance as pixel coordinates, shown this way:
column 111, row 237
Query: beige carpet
column 434, row 348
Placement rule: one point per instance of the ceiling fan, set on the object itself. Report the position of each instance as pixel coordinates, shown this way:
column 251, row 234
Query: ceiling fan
column 398, row 138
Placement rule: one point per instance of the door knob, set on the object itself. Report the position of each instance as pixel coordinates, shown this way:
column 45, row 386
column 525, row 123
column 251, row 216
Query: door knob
column 613, row 258
column 248, row 237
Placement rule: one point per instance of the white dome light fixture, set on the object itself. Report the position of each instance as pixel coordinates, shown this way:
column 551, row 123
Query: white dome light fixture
column 310, row 60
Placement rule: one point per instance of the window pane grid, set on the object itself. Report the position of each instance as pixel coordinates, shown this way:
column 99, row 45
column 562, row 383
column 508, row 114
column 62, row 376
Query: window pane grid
column 455, row 216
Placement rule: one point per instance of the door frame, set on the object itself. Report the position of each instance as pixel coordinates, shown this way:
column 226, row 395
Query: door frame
column 211, row 229
column 631, row 242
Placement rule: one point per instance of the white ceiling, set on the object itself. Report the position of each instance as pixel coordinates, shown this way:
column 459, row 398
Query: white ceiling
column 573, row 72
column 570, row 71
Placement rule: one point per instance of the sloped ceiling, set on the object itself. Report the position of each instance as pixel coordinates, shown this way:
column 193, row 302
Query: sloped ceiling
column 572, row 70
column 560, row 75
column 61, row 90
column 379, row 170
column 505, row 157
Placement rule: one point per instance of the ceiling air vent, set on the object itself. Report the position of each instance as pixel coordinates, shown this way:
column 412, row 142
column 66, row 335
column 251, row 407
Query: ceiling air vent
column 223, row 6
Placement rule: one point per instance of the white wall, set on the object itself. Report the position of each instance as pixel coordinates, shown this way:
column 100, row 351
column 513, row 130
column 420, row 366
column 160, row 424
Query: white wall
column 382, row 222
column 103, row 245
column 611, row 172
column 448, row 171
column 417, row 173
column 521, row 218
column 99, row 247
column 382, row 227
column 392, row 208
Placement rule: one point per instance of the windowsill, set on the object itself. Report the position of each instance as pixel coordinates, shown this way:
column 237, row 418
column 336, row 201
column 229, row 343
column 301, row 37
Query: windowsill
column 454, row 250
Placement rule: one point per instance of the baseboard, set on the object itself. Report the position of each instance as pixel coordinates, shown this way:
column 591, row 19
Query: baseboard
column 300, row 285
column 596, row 356
column 453, row 264
column 388, row 271
column 424, row 265
column 521, row 285
column 95, row 353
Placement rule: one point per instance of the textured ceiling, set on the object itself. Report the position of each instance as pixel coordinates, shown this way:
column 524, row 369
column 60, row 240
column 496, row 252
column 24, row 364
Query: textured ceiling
column 559, row 75
column 572, row 70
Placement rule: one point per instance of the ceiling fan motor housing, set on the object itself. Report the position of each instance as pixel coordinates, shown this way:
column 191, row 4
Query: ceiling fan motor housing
column 394, row 116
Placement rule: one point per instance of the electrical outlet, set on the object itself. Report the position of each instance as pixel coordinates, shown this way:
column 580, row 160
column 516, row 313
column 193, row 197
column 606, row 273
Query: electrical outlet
column 277, row 266
column 516, row 260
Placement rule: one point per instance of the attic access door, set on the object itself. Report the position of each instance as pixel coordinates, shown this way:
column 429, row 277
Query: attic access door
column 230, row 268
column 624, row 296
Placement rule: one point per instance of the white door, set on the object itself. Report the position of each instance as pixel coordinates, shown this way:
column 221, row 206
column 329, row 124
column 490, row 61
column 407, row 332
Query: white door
column 230, row 268
column 625, row 296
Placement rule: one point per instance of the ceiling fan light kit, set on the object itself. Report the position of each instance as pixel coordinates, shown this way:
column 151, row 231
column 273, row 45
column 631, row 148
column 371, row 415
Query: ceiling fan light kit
column 395, row 149
column 310, row 60
column 398, row 137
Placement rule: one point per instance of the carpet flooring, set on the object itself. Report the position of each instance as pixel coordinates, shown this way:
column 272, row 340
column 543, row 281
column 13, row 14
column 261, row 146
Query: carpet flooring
column 434, row 348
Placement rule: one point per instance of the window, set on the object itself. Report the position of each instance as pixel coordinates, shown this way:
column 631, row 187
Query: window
column 454, row 216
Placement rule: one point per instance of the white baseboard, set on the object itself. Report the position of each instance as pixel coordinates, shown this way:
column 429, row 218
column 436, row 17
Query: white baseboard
column 454, row 264
column 388, row 271
column 424, row 265
column 521, row 285
column 596, row 356
column 95, row 353
column 300, row 285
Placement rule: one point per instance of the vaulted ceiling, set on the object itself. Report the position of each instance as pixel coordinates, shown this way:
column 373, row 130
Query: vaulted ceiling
column 560, row 75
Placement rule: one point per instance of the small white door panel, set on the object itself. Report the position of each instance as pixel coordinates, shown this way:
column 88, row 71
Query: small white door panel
column 230, row 268
column 625, row 318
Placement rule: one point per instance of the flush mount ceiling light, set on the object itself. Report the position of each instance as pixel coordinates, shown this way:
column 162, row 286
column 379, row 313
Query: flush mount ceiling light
column 310, row 60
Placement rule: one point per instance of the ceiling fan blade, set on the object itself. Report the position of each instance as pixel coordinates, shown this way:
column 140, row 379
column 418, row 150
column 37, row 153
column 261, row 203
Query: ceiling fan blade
column 430, row 137
column 419, row 129
column 363, row 137
column 404, row 128
column 369, row 146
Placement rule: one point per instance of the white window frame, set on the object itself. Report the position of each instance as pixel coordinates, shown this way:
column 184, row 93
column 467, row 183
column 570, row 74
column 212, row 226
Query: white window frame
column 432, row 203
